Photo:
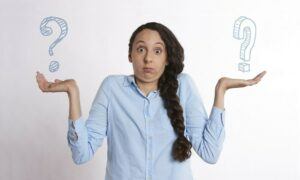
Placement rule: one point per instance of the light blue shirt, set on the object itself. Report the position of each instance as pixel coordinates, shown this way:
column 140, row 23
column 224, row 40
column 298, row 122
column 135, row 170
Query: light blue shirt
column 139, row 132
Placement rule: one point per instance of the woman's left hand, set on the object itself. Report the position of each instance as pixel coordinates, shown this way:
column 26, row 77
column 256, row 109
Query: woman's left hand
column 226, row 83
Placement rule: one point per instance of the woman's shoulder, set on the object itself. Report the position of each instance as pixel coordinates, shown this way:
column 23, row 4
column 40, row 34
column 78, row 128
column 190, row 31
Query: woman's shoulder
column 113, row 80
column 114, row 77
column 184, row 78
column 182, row 75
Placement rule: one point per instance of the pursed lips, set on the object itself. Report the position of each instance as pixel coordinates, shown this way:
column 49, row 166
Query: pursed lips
column 146, row 69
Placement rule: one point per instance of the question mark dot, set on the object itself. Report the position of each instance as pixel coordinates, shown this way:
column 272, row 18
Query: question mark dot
column 53, row 66
column 244, row 67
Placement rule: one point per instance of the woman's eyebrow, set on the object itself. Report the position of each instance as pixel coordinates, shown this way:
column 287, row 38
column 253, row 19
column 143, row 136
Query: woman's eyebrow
column 140, row 41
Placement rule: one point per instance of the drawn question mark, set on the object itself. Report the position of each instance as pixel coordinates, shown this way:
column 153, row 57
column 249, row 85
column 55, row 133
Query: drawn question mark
column 47, row 31
column 245, row 28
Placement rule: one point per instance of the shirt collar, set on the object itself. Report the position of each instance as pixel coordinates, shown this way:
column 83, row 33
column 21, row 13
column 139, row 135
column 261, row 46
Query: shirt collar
column 129, row 80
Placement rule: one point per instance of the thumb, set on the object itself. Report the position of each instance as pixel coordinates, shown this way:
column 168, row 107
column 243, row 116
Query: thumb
column 57, row 80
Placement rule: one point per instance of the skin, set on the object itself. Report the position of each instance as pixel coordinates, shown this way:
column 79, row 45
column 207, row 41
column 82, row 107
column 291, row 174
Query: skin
column 226, row 83
column 148, row 50
column 148, row 53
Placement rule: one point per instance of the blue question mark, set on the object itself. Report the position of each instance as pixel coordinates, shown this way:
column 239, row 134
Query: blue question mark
column 47, row 31
column 245, row 28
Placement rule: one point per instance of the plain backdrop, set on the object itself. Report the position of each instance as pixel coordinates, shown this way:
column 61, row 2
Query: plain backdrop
column 262, row 122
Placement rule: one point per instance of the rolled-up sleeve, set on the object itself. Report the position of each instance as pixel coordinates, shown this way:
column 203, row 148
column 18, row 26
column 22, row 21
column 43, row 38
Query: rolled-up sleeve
column 85, row 137
column 206, row 134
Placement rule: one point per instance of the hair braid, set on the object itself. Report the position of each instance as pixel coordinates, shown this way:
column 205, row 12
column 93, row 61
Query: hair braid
column 168, row 86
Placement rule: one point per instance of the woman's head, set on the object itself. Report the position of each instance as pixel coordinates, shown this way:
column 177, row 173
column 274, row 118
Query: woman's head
column 154, row 45
column 148, row 51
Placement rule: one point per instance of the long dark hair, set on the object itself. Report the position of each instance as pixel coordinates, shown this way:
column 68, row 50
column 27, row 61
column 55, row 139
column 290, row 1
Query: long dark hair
column 168, row 86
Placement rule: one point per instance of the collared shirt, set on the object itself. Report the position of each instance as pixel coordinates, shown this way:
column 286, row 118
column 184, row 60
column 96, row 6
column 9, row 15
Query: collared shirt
column 139, row 132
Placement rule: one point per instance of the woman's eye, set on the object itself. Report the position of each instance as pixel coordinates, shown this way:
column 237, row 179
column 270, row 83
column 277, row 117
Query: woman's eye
column 140, row 49
column 157, row 51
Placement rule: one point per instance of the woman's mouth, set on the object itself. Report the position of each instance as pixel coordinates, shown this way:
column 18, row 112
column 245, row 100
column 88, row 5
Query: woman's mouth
column 148, row 70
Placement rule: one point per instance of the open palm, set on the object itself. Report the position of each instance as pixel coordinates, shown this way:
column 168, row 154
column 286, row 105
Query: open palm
column 229, row 83
column 56, row 86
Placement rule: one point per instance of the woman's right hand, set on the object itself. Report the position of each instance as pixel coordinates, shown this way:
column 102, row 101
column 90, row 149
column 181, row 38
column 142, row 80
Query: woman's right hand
column 56, row 86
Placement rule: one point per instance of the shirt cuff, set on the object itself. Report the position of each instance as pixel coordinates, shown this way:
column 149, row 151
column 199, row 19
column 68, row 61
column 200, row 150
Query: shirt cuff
column 218, row 112
column 76, row 127
column 76, row 123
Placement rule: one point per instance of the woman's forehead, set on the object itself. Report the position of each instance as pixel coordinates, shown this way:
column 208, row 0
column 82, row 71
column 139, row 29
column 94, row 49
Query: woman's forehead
column 148, row 36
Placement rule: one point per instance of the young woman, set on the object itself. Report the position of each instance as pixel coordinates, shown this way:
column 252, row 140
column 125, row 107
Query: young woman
column 151, row 118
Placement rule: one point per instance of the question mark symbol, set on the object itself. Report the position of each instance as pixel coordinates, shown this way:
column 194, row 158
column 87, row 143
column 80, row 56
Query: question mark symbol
column 245, row 28
column 47, row 31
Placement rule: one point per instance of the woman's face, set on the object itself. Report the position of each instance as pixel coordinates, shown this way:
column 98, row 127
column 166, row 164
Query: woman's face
column 148, row 51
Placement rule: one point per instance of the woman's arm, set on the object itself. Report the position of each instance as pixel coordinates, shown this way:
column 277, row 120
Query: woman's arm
column 69, row 86
column 219, row 96
column 74, row 102
column 207, row 134
column 84, row 137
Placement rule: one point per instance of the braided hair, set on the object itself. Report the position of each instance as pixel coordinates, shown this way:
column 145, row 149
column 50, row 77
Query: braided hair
column 168, row 85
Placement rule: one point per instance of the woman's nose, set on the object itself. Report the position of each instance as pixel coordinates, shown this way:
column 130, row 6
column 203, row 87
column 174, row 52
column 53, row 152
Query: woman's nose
column 148, row 57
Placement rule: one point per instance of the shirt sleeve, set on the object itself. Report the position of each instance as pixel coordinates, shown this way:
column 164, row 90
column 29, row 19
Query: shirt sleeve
column 85, row 137
column 206, row 134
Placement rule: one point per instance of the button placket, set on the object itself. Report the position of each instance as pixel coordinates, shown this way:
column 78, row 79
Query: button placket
column 149, row 139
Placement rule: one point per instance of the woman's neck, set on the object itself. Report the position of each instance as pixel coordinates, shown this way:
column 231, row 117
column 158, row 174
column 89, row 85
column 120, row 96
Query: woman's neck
column 146, row 87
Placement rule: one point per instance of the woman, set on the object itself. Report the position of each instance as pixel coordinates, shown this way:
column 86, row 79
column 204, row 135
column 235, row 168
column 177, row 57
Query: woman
column 151, row 118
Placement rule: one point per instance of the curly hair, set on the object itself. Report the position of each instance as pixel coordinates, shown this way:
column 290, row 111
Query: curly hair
column 168, row 85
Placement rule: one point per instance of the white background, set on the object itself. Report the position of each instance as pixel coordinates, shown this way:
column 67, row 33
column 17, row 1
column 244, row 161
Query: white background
column 262, row 121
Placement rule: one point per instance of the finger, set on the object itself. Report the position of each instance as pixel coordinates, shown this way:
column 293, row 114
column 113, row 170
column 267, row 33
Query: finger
column 57, row 80
column 42, row 86
column 40, row 76
column 257, row 79
column 252, row 82
column 260, row 75
column 40, row 80
column 263, row 73
column 50, row 84
column 257, row 76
